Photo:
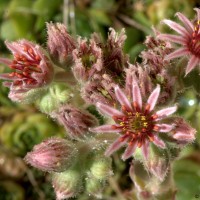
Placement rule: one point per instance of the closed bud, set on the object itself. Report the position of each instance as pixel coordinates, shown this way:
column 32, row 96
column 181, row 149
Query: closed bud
column 60, row 43
column 183, row 132
column 94, row 187
column 158, row 166
column 101, row 169
column 67, row 184
column 77, row 122
column 53, row 154
column 56, row 95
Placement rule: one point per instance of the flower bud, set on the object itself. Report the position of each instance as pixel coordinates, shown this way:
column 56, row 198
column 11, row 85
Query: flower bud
column 57, row 94
column 158, row 166
column 101, row 169
column 67, row 184
column 53, row 154
column 60, row 43
column 76, row 121
column 94, row 187
column 183, row 132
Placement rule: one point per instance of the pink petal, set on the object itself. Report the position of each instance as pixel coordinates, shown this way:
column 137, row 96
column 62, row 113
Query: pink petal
column 165, row 112
column 145, row 149
column 158, row 142
column 108, row 110
column 178, row 28
column 192, row 64
column 129, row 151
column 172, row 38
column 6, row 76
column 183, row 137
column 198, row 13
column 105, row 128
column 189, row 26
column 121, row 97
column 115, row 146
column 5, row 61
column 165, row 127
column 153, row 98
column 136, row 95
column 178, row 53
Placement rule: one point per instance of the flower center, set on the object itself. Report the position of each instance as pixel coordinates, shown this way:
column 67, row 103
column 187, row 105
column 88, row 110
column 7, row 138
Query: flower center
column 137, row 125
column 194, row 44
column 138, row 122
column 24, row 65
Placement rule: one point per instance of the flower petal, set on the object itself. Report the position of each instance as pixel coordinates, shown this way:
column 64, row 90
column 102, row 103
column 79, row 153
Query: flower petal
column 129, row 150
column 165, row 112
column 121, row 97
column 108, row 110
column 117, row 144
column 189, row 26
column 5, row 61
column 153, row 98
column 184, row 137
column 178, row 28
column 158, row 142
column 145, row 149
column 106, row 129
column 172, row 38
column 136, row 94
column 178, row 53
column 192, row 64
column 198, row 13
column 165, row 127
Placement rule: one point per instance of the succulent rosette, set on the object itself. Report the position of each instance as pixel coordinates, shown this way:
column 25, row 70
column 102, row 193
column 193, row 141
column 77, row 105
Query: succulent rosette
column 32, row 69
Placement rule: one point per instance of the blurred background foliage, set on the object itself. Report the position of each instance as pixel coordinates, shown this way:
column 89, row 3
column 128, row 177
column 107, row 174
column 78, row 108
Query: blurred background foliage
column 23, row 126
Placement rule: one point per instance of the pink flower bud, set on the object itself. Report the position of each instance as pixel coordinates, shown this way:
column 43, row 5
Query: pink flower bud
column 158, row 166
column 32, row 69
column 76, row 121
column 183, row 132
column 60, row 43
column 53, row 154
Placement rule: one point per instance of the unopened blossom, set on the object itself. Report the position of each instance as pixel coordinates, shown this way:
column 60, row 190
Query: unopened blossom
column 54, row 154
column 32, row 69
column 76, row 121
column 67, row 184
column 188, row 38
column 183, row 132
column 138, row 123
column 60, row 43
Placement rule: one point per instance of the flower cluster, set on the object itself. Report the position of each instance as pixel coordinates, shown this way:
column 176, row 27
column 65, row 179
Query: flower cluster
column 105, row 102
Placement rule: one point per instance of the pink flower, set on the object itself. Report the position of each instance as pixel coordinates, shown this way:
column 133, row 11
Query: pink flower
column 189, row 39
column 137, row 122
column 32, row 68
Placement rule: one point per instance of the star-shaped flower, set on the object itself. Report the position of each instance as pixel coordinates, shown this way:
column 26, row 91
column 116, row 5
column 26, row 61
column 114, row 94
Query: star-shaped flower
column 189, row 38
column 138, row 123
